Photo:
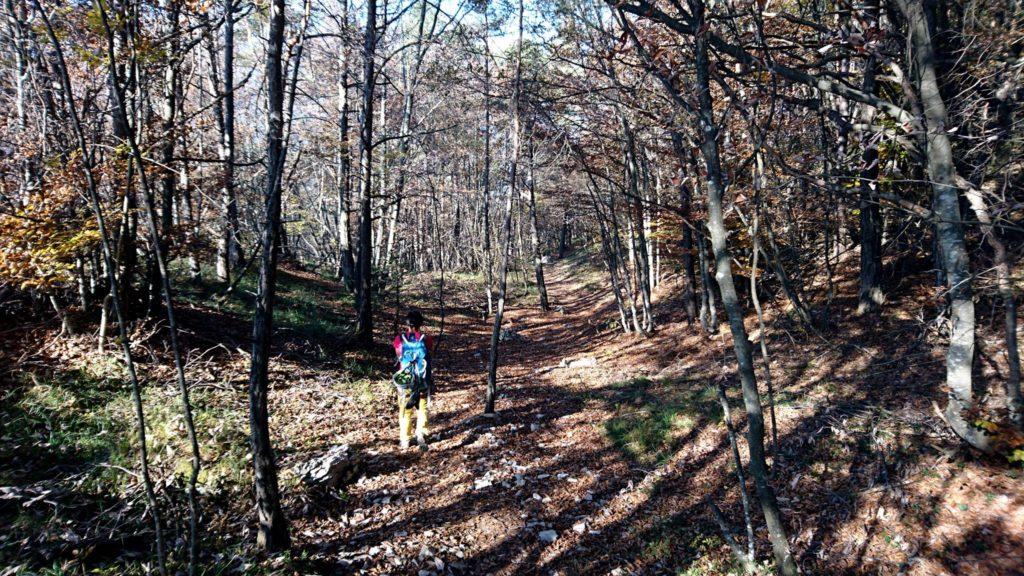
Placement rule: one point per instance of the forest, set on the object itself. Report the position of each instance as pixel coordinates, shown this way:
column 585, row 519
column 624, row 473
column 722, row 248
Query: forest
column 511, row 287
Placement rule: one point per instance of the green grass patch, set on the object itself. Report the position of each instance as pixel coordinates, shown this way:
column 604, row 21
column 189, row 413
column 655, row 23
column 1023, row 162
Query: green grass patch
column 314, row 308
column 652, row 418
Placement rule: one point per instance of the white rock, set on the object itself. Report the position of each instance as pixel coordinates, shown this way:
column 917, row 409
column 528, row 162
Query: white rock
column 579, row 527
column 481, row 483
column 547, row 536
column 338, row 466
column 585, row 362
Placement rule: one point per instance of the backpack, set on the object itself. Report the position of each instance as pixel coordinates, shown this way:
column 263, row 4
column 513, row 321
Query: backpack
column 414, row 355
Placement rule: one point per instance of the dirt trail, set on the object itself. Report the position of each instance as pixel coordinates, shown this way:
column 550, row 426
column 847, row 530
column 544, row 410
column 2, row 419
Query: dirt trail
column 490, row 491
column 603, row 467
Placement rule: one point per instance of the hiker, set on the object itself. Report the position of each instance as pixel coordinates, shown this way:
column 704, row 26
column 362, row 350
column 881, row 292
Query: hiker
column 413, row 380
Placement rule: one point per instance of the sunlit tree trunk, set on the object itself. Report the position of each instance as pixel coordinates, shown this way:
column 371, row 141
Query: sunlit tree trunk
column 948, row 228
column 538, row 259
column 708, row 132
column 513, row 177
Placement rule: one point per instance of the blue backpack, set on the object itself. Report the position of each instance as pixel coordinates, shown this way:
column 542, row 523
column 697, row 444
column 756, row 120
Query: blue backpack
column 414, row 355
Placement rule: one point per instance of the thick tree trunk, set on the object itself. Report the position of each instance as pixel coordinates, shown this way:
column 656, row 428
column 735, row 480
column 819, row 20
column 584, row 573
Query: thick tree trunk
column 948, row 229
column 364, row 330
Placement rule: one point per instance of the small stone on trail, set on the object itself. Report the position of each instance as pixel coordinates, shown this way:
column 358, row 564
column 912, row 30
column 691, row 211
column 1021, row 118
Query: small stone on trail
column 586, row 362
column 548, row 536
column 579, row 527
column 481, row 483
column 509, row 335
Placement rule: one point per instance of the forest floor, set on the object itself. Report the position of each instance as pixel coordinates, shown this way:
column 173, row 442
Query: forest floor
column 608, row 443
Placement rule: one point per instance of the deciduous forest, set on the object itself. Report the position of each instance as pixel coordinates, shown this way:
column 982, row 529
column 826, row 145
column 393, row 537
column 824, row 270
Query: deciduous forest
column 511, row 287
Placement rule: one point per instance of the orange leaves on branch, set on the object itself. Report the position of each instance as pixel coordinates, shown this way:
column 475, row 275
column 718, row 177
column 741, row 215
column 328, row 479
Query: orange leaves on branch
column 40, row 240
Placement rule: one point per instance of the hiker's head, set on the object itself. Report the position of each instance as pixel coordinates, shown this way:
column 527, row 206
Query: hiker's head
column 414, row 320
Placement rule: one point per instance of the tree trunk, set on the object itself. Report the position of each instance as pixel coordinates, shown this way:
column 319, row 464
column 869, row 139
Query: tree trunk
column 685, row 202
column 115, row 293
column 948, row 229
column 538, row 259
column 364, row 330
column 564, row 236
column 513, row 175
column 488, row 253
column 638, row 241
column 272, row 533
column 723, row 274
column 229, row 253
column 870, row 294
column 346, row 265
column 1004, row 283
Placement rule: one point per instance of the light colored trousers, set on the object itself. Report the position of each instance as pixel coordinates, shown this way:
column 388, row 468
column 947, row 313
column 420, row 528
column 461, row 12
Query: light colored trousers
column 405, row 416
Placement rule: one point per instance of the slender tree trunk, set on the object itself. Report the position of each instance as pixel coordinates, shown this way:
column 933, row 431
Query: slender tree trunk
column 638, row 241
column 748, row 558
column 538, row 259
column 1004, row 284
column 115, row 292
column 564, row 235
column 163, row 276
column 273, row 533
column 229, row 253
column 513, row 177
column 685, row 202
column 716, row 226
column 870, row 294
column 488, row 253
column 346, row 264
